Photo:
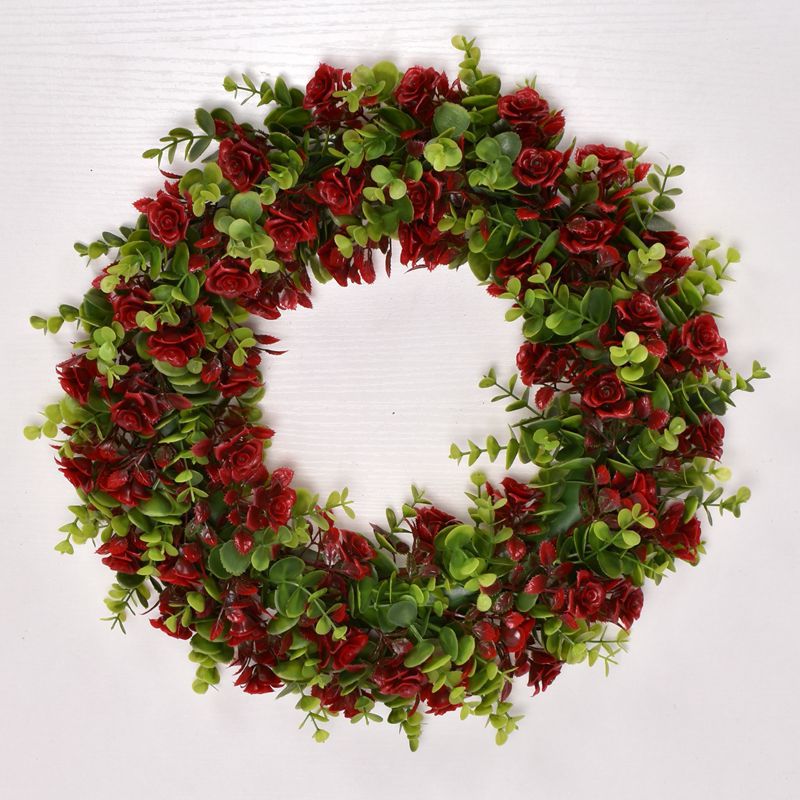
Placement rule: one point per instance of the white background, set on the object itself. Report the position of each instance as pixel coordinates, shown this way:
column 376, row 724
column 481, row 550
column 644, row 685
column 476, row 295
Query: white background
column 379, row 380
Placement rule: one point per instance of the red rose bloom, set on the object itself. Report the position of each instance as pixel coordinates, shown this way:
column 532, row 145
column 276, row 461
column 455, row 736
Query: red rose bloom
column 240, row 459
column 167, row 218
column 418, row 90
column 701, row 339
column 703, row 440
column 540, row 363
column 605, row 395
column 136, row 412
column 238, row 380
column 127, row 306
column 78, row 471
column 341, row 193
column 289, row 225
column 176, row 345
column 242, row 163
column 639, row 313
column 391, row 677
column 611, row 167
column 537, row 167
column 678, row 537
column 581, row 235
column 586, row 596
column 629, row 605
column 319, row 93
column 231, row 277
column 426, row 196
column 529, row 114
column 76, row 376
column 544, row 669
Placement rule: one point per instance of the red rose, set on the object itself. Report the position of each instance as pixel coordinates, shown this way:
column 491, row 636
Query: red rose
column 605, row 395
column 611, row 167
column 341, row 193
column 527, row 111
column 176, row 345
column 231, row 277
column 167, row 218
column 319, row 93
column 540, row 363
column 701, row 338
column 345, row 651
column 238, row 380
column 355, row 269
column 240, row 459
column 290, row 225
column 426, row 196
column 418, row 91
column 122, row 553
column 127, row 306
column 587, row 596
column 128, row 484
column 272, row 505
column 391, row 677
column 76, row 376
column 78, row 471
column 421, row 243
column 638, row 313
column 544, row 669
column 137, row 412
column 678, row 537
column 629, row 605
column 537, row 167
column 581, row 235
column 703, row 440
column 241, row 162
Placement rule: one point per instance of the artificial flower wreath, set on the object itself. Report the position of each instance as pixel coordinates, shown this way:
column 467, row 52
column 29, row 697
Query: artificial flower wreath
column 160, row 432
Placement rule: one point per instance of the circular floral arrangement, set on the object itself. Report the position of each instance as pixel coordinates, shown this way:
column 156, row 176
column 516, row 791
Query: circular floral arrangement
column 160, row 432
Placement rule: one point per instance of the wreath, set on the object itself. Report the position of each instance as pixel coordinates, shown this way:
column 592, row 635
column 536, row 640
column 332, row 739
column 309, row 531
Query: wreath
column 616, row 400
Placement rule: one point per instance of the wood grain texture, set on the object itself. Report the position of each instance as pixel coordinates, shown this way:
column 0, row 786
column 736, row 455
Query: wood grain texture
column 379, row 380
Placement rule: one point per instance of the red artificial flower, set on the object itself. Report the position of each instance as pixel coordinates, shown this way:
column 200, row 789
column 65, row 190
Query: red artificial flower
column 126, row 306
column 240, row 458
column 586, row 597
column 540, row 363
column 231, row 277
column 340, row 193
column 136, row 412
column 392, row 678
column 427, row 198
column 241, row 163
column 76, row 376
column 605, row 394
column 167, row 216
column 420, row 90
column 611, row 162
column 289, row 224
column 355, row 269
column 319, row 94
column 544, row 669
column 530, row 116
column 535, row 166
column 700, row 336
column 176, row 345
column 678, row 537
column 704, row 440
column 638, row 313
column 581, row 235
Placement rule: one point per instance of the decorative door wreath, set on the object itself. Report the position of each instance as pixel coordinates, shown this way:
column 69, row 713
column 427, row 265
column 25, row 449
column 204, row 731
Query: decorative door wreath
column 160, row 433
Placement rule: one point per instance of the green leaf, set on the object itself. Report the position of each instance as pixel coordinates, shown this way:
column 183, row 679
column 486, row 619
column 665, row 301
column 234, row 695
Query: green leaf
column 287, row 569
column 451, row 116
column 205, row 121
column 402, row 613
column 419, row 654
column 233, row 561
column 260, row 557
column 246, row 205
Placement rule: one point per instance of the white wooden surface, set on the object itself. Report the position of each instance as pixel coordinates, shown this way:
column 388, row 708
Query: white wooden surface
column 379, row 380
